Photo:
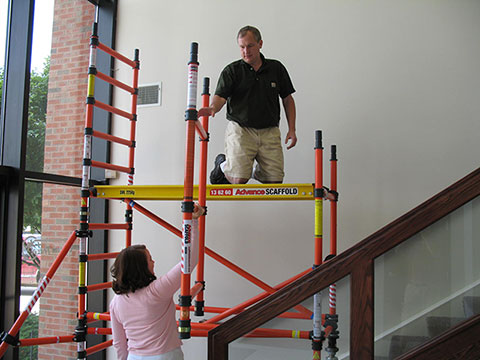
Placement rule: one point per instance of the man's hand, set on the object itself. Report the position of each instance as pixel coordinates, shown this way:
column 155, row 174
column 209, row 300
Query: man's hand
column 293, row 139
column 290, row 112
column 206, row 111
column 215, row 106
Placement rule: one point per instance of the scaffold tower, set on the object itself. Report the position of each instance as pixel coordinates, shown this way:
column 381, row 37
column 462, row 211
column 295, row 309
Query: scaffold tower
column 325, row 326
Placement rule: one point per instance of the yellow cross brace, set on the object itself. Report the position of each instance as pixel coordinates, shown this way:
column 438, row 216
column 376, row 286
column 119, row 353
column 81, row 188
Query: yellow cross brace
column 214, row 192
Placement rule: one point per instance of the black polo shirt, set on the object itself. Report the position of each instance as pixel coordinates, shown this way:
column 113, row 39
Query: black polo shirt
column 253, row 96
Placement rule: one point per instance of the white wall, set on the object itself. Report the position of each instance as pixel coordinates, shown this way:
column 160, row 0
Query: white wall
column 394, row 84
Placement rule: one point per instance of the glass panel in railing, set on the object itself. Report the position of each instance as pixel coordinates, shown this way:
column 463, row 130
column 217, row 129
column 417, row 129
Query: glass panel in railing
column 288, row 336
column 429, row 283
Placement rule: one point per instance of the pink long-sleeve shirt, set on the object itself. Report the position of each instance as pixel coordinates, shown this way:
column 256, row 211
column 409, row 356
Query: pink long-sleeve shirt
column 143, row 322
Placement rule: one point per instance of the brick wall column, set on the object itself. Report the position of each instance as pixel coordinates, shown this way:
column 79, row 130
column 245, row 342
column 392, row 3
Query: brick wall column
column 63, row 155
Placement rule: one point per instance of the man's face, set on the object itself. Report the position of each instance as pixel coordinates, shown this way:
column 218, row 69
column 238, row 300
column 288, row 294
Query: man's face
column 250, row 48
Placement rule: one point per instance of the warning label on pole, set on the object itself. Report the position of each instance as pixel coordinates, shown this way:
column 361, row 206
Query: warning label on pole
column 186, row 245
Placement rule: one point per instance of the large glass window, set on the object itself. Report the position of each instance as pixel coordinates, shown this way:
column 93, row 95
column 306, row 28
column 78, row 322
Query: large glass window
column 39, row 76
column 55, row 153
column 3, row 37
column 31, row 263
column 50, row 217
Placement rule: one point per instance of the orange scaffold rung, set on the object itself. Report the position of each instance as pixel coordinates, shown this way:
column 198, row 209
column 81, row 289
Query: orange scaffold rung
column 113, row 109
column 108, row 226
column 103, row 256
column 101, row 286
column 98, row 316
column 259, row 332
column 46, row 340
column 116, row 55
column 94, row 349
column 115, row 139
column 104, row 165
column 115, row 82
column 285, row 315
column 99, row 331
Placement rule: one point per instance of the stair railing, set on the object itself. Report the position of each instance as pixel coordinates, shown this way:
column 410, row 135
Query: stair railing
column 358, row 263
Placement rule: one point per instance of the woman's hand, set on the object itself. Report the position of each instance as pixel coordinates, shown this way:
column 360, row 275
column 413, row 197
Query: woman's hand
column 197, row 211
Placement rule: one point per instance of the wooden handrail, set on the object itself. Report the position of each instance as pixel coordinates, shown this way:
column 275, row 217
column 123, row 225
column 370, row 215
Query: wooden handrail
column 358, row 262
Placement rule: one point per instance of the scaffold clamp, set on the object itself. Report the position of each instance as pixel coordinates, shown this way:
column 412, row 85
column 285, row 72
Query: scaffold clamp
column 331, row 320
column 184, row 300
column 326, row 194
column 206, row 139
column 9, row 339
column 188, row 206
column 317, row 343
column 80, row 333
column 83, row 233
column 191, row 114
column 199, row 308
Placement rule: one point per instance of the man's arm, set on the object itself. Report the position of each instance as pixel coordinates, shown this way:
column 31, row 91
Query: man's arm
column 290, row 111
column 215, row 106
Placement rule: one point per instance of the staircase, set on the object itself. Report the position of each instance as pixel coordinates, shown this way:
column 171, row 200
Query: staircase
column 435, row 326
column 442, row 322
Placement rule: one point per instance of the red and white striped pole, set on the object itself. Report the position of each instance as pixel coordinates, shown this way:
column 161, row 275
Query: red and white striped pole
column 331, row 321
column 333, row 225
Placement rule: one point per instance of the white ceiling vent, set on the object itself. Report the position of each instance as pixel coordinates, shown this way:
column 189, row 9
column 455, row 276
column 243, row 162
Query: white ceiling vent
column 150, row 95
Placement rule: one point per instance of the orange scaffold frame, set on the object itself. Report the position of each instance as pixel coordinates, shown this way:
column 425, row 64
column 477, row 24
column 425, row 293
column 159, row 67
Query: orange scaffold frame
column 187, row 292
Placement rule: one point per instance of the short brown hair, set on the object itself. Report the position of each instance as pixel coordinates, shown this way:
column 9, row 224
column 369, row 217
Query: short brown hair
column 130, row 270
column 255, row 32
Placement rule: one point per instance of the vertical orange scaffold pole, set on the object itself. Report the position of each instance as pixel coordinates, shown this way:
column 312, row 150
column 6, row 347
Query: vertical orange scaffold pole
column 185, row 300
column 84, row 232
column 333, row 225
column 202, row 200
column 331, row 319
column 318, row 336
column 131, row 155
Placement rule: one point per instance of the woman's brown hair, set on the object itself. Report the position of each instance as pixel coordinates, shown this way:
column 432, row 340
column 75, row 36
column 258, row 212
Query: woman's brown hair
column 130, row 270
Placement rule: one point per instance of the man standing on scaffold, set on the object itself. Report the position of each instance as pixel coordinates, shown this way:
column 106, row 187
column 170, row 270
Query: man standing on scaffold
column 251, row 88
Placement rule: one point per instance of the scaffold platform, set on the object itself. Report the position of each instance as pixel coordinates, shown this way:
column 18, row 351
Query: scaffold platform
column 214, row 192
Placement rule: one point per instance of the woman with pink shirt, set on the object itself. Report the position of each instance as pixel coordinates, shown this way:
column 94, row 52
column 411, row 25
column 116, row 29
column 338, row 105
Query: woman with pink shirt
column 143, row 312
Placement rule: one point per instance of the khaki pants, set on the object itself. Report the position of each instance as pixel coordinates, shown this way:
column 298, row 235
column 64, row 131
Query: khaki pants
column 244, row 145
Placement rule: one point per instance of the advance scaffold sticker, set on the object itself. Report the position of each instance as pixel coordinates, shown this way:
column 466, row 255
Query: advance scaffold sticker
column 242, row 192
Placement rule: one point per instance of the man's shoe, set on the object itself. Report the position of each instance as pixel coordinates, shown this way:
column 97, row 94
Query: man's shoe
column 217, row 176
